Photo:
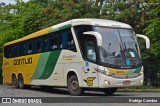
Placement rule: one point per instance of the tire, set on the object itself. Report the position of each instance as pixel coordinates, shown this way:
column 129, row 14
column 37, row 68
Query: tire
column 14, row 81
column 109, row 91
column 73, row 86
column 20, row 82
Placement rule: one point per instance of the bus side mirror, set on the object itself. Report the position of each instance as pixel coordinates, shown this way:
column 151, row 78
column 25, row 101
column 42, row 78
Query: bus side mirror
column 146, row 40
column 97, row 35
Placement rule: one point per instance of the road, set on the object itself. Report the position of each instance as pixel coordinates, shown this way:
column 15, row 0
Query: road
column 9, row 91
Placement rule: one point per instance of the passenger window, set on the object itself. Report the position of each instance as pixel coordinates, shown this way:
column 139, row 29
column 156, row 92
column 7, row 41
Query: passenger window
column 67, row 40
column 81, row 37
column 53, row 41
column 45, row 44
column 38, row 45
column 12, row 51
column 60, row 44
column 30, row 47
column 23, row 48
column 70, row 42
column 90, row 50
column 7, row 52
column 18, row 50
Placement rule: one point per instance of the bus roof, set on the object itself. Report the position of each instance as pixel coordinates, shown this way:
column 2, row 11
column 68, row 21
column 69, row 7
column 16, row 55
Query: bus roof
column 73, row 22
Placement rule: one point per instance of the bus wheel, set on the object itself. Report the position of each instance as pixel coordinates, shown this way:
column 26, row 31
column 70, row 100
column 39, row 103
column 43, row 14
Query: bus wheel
column 14, row 81
column 109, row 91
column 20, row 82
column 73, row 86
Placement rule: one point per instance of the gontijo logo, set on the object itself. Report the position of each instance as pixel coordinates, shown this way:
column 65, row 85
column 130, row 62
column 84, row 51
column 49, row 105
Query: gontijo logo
column 22, row 61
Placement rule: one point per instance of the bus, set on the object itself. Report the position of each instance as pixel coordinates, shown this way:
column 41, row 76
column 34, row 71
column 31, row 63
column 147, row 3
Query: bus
column 80, row 54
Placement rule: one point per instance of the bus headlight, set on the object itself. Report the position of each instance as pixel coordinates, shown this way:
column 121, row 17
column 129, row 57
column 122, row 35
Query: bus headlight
column 104, row 71
column 141, row 72
column 108, row 73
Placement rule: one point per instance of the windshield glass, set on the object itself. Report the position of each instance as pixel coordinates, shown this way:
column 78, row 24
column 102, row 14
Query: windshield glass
column 119, row 47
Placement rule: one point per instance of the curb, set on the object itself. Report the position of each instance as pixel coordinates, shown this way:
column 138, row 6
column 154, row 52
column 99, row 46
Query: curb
column 138, row 90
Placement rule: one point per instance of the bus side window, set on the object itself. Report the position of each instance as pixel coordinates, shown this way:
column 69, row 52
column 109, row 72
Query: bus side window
column 7, row 51
column 70, row 42
column 38, row 45
column 67, row 40
column 12, row 51
column 23, row 48
column 90, row 49
column 45, row 43
column 30, row 47
column 18, row 50
column 60, row 44
column 53, row 41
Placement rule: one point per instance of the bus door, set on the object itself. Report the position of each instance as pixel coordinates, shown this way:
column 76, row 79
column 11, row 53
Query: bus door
column 89, row 72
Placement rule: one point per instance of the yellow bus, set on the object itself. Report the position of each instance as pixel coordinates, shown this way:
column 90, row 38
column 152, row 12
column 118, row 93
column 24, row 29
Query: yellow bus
column 79, row 54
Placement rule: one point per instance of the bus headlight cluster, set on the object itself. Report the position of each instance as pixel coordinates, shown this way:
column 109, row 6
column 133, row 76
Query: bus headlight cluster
column 107, row 82
column 108, row 73
column 140, row 73
column 104, row 71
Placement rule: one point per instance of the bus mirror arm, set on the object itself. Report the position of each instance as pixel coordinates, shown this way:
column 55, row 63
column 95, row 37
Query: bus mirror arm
column 146, row 40
column 97, row 35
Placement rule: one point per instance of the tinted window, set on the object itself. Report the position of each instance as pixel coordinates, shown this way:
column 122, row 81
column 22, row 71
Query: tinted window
column 67, row 40
column 56, row 40
column 90, row 49
column 81, row 37
column 45, row 43
column 53, row 41
column 30, row 47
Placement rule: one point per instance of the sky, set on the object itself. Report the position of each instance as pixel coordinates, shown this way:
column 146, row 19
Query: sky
column 11, row 1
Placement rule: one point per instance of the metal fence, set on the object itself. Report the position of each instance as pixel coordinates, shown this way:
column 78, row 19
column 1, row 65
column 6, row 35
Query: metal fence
column 151, row 73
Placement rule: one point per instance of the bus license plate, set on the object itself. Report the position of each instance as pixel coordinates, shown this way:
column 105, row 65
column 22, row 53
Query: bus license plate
column 126, row 82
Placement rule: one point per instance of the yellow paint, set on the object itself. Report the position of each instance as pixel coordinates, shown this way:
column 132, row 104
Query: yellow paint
column 89, row 81
column 27, row 70
column 33, row 35
column 70, row 57
column 118, row 71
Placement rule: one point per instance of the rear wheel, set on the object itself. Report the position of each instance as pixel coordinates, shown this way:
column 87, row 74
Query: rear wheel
column 73, row 86
column 109, row 91
column 14, row 81
column 20, row 82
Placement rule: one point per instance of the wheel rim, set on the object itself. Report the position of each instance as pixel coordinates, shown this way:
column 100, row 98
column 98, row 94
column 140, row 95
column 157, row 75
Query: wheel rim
column 74, row 85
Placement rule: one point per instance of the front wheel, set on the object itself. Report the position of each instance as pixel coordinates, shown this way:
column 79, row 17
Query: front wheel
column 109, row 91
column 73, row 86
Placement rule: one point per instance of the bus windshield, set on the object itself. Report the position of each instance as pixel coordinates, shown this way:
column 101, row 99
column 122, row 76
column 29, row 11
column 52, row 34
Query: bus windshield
column 119, row 47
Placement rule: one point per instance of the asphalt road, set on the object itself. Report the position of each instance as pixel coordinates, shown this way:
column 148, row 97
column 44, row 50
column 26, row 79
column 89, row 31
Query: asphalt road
column 9, row 91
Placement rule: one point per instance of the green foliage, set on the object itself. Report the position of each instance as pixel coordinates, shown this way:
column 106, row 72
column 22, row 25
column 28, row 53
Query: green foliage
column 153, row 31
column 23, row 18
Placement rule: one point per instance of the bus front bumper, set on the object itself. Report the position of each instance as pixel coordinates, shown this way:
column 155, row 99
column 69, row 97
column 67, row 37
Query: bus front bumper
column 110, row 82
